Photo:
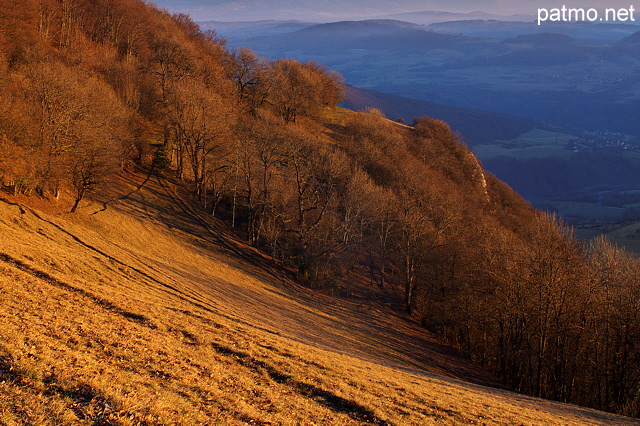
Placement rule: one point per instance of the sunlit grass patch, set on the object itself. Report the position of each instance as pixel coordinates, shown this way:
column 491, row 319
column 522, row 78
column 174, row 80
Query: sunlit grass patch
column 118, row 318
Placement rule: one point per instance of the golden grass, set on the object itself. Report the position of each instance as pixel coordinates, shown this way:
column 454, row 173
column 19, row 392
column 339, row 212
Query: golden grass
column 143, row 314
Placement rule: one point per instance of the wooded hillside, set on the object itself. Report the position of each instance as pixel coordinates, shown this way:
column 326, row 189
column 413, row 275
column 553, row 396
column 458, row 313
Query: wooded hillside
column 88, row 88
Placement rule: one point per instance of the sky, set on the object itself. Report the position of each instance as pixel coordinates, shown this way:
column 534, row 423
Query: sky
column 332, row 10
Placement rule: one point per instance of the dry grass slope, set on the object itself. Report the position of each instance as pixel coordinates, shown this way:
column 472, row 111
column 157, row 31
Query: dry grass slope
column 147, row 313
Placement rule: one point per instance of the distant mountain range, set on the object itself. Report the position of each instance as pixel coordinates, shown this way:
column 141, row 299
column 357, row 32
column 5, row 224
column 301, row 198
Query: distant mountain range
column 578, row 76
column 502, row 29
column 493, row 82
column 422, row 11
column 431, row 17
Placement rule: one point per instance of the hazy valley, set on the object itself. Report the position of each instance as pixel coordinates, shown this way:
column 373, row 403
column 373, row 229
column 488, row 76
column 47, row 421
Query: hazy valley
column 577, row 81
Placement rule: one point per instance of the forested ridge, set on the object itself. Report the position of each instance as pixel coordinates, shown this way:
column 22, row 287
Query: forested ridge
column 88, row 88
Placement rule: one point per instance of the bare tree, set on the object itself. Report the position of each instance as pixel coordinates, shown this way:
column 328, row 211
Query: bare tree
column 103, row 139
column 315, row 175
column 201, row 121
column 57, row 109
column 14, row 166
column 249, row 72
column 301, row 89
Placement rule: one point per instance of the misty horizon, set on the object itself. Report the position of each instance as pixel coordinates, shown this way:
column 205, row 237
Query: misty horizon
column 331, row 10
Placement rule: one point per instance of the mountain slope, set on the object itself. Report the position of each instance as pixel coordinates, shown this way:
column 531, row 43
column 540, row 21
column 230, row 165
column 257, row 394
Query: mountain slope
column 122, row 311
column 143, row 313
column 472, row 124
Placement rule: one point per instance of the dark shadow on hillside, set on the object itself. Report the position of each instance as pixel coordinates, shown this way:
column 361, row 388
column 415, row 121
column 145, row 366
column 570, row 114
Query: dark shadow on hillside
column 330, row 400
column 367, row 322
column 165, row 200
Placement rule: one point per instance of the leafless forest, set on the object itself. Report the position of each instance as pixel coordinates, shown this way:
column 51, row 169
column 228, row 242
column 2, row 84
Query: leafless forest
column 89, row 88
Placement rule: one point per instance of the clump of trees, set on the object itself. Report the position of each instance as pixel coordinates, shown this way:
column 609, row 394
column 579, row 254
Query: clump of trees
column 412, row 207
column 87, row 87
column 540, row 312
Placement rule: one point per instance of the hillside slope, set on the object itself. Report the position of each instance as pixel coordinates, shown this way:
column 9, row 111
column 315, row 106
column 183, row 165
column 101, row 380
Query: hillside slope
column 139, row 308
column 472, row 124
column 147, row 313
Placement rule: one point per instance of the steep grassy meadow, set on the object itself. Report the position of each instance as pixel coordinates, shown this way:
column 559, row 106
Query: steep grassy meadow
column 148, row 313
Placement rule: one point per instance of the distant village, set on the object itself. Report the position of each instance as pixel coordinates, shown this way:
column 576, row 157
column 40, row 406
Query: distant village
column 603, row 141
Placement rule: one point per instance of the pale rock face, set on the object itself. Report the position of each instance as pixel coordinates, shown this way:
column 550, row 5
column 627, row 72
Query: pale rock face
column 479, row 176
